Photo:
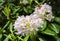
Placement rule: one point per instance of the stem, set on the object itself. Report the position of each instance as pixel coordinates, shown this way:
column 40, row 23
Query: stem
column 33, row 35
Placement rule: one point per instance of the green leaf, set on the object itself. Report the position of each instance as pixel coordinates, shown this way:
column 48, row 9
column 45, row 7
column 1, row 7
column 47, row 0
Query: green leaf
column 49, row 32
column 43, row 1
column 6, row 25
column 1, row 2
column 6, row 11
column 57, row 19
column 58, row 39
column 33, row 35
column 15, row 9
column 25, row 9
column 8, row 36
column 4, row 31
column 58, row 26
column 12, row 35
column 6, row 39
column 26, row 38
column 44, row 25
column 10, row 26
column 54, row 27
column 19, row 37
column 0, row 36
column 41, row 39
column 30, row 1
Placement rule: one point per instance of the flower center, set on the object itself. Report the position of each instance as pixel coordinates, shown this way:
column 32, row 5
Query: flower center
column 28, row 25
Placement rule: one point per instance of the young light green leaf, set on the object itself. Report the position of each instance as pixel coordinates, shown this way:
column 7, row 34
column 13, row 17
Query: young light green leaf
column 26, row 38
column 6, row 11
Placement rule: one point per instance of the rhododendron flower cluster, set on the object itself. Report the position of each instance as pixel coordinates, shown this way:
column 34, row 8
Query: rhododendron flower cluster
column 25, row 24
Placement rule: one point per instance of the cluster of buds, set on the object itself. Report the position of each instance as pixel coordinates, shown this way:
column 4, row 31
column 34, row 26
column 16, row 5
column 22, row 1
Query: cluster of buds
column 25, row 24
